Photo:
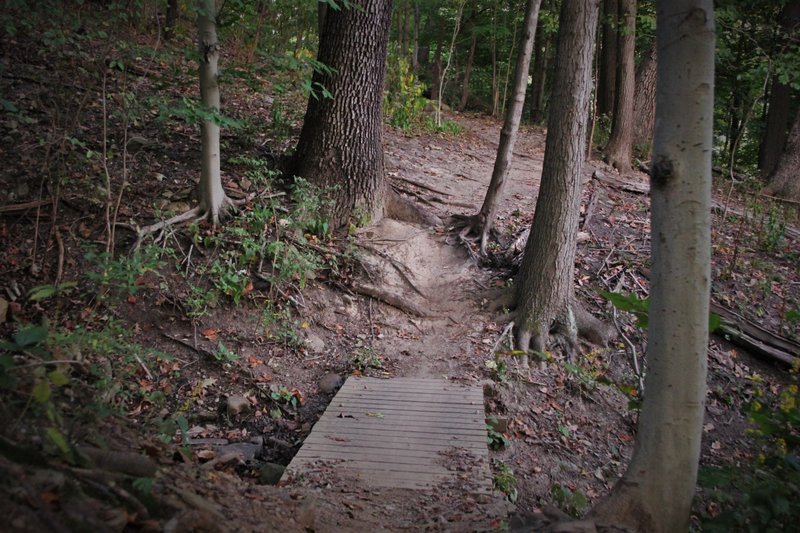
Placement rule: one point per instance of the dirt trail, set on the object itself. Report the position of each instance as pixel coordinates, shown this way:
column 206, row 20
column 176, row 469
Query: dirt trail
column 438, row 275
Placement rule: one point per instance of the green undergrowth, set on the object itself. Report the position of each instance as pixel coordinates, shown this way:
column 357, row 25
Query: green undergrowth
column 759, row 492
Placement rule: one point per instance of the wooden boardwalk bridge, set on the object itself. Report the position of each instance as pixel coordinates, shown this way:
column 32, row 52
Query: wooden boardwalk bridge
column 400, row 433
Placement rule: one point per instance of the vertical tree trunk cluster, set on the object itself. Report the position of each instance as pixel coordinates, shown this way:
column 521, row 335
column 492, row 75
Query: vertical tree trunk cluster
column 545, row 291
column 341, row 147
column 618, row 152
column 655, row 494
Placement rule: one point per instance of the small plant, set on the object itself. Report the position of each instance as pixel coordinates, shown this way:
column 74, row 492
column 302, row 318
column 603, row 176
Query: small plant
column 504, row 481
column 773, row 231
column 570, row 500
column 494, row 438
column 366, row 358
column 223, row 353
column 403, row 102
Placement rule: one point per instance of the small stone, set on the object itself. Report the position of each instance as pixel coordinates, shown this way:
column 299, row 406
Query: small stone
column 271, row 473
column 245, row 450
column 330, row 383
column 314, row 343
column 237, row 404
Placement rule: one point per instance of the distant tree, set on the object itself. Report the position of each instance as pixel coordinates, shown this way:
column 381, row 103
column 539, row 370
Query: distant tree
column 644, row 101
column 620, row 144
column 171, row 20
column 780, row 96
column 544, row 288
column 655, row 494
column 786, row 181
column 341, row 142
column 541, row 64
column 482, row 223
column 607, row 76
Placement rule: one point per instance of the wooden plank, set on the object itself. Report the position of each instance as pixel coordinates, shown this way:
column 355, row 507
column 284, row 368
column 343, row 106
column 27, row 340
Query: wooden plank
column 424, row 425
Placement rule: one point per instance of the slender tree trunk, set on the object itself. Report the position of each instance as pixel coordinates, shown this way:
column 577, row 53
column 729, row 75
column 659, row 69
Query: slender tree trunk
column 508, row 135
column 495, row 82
column 620, row 145
column 415, row 39
column 436, row 67
column 780, row 95
column 655, row 494
column 213, row 200
column 606, row 85
column 456, row 29
column 545, row 292
column 468, row 71
column 644, row 102
column 508, row 69
column 341, row 143
column 407, row 14
column 786, row 181
column 540, row 67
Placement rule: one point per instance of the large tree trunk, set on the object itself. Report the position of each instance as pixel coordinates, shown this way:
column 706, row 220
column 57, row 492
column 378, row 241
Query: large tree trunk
column 786, row 182
column 545, row 293
column 607, row 83
column 644, row 102
column 341, row 146
column 620, row 144
column 468, row 71
column 213, row 200
column 655, row 494
column 780, row 95
column 508, row 135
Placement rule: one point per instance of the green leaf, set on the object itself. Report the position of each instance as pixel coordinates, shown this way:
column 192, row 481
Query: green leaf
column 41, row 391
column 6, row 360
column 30, row 336
column 41, row 292
column 58, row 378
column 8, row 106
column 58, row 439
column 143, row 485
column 714, row 322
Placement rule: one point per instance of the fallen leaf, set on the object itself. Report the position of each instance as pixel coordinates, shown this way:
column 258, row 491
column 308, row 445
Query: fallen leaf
column 211, row 334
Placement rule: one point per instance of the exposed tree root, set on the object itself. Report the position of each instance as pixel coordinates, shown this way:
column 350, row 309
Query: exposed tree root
column 195, row 214
column 395, row 300
column 398, row 266
column 399, row 208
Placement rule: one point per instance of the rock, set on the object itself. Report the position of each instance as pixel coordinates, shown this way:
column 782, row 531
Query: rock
column 3, row 310
column 314, row 343
column 237, row 404
column 245, row 450
column 270, row 473
column 330, row 383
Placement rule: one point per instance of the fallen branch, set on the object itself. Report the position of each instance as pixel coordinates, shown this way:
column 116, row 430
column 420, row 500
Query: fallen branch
column 755, row 339
column 629, row 186
column 25, row 205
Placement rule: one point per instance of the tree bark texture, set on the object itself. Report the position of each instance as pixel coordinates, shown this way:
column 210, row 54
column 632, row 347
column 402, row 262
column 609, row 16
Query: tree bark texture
column 780, row 96
column 655, row 494
column 644, row 102
column 606, row 85
column 508, row 135
column 545, row 282
column 341, row 143
column 620, row 143
column 786, row 182
column 212, row 196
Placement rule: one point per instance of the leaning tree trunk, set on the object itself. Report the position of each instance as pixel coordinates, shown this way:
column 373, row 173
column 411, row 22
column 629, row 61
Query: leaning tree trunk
column 644, row 102
column 341, row 144
column 620, row 144
column 607, row 81
column 786, row 182
column 213, row 200
column 545, row 293
column 508, row 135
column 655, row 494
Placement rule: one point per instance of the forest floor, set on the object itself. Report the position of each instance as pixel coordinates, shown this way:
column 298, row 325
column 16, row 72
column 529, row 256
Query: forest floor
column 244, row 382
